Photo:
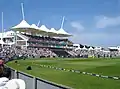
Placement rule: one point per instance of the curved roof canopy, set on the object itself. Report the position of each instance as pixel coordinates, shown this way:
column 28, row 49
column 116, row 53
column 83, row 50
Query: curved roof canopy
column 44, row 28
column 34, row 26
column 53, row 30
column 84, row 48
column 91, row 48
column 62, row 32
column 21, row 25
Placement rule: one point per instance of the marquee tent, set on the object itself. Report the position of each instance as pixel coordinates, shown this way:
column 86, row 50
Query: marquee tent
column 44, row 28
column 62, row 32
column 52, row 32
column 91, row 48
column 22, row 26
column 84, row 48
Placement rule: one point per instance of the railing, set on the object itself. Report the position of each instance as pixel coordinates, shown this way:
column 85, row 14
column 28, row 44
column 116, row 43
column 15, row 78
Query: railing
column 34, row 82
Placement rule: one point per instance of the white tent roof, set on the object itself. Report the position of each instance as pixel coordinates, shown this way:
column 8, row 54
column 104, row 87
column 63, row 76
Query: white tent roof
column 84, row 48
column 98, row 48
column 78, row 49
column 91, row 48
column 61, row 31
column 34, row 26
column 53, row 30
column 112, row 47
column 44, row 28
column 22, row 24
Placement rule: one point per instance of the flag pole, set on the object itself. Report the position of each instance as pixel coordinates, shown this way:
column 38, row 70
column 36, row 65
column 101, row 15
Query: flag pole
column 23, row 14
column 2, row 29
column 62, row 22
column 38, row 23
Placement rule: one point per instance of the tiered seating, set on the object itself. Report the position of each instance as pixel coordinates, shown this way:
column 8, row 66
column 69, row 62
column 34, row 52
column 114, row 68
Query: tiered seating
column 61, row 52
column 36, row 52
column 47, row 41
column 8, row 40
column 74, row 54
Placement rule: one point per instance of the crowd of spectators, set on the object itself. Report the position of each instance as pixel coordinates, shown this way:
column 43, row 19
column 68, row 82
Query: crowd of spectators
column 94, row 53
column 44, row 41
column 35, row 52
column 8, row 40
column 9, row 53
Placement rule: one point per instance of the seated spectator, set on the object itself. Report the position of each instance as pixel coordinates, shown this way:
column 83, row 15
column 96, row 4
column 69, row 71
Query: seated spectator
column 14, row 84
column 4, row 71
column 3, row 81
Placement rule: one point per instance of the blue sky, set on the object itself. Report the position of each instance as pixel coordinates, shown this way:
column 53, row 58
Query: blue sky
column 92, row 22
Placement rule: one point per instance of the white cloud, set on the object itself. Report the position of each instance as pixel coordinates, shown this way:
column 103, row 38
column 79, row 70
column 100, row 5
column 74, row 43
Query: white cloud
column 77, row 25
column 96, row 39
column 104, row 21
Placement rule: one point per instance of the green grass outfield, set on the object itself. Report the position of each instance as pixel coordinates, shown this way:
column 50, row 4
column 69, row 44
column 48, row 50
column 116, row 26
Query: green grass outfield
column 108, row 67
